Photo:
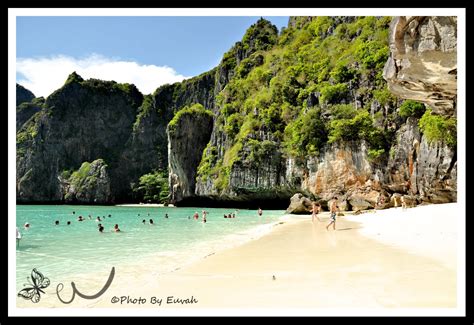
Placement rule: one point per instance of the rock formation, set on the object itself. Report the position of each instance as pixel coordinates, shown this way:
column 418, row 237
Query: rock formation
column 423, row 61
column 23, row 95
column 90, row 183
column 299, row 204
column 237, row 148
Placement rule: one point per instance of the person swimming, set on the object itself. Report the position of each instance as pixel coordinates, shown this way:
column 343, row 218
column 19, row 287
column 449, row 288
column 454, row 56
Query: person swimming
column 166, row 215
column 26, row 226
column 101, row 229
column 151, row 221
column 116, row 228
column 144, row 221
column 68, row 223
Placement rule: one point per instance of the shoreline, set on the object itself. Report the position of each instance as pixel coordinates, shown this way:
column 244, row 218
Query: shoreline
column 297, row 264
column 145, row 205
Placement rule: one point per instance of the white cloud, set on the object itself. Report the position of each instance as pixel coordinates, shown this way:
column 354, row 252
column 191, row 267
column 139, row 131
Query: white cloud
column 44, row 75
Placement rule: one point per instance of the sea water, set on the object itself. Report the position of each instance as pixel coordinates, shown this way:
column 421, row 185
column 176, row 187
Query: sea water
column 60, row 251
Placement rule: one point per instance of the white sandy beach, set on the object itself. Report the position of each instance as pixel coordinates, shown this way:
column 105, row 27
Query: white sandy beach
column 144, row 205
column 428, row 230
column 382, row 259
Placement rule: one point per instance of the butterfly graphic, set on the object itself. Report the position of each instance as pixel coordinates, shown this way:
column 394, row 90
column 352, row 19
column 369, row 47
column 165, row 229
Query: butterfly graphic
column 33, row 292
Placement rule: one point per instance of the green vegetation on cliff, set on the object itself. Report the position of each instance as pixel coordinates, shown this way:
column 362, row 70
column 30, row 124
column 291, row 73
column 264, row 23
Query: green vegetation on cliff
column 194, row 110
column 438, row 128
column 303, row 91
column 411, row 108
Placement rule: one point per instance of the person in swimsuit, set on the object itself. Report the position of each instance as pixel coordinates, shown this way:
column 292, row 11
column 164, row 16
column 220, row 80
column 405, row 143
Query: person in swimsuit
column 315, row 211
column 334, row 208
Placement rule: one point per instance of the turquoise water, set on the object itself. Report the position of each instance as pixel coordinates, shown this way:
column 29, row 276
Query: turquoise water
column 61, row 250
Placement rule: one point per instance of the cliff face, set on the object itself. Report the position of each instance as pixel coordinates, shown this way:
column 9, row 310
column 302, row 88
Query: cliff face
column 91, row 183
column 306, row 110
column 89, row 120
column 26, row 105
column 423, row 64
column 83, row 121
column 257, row 168
column 23, row 95
column 188, row 135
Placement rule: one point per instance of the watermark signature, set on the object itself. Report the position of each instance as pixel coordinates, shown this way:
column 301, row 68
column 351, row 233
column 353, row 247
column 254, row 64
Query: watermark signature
column 37, row 282
column 153, row 300
column 74, row 289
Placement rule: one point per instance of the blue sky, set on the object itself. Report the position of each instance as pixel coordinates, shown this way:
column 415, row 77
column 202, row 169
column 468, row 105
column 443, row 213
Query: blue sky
column 102, row 47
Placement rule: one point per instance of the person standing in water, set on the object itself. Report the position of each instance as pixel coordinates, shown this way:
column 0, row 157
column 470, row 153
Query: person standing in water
column 333, row 210
column 260, row 212
column 18, row 237
column 315, row 211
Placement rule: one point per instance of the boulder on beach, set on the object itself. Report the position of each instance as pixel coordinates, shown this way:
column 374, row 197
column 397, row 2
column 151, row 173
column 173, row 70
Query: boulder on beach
column 299, row 204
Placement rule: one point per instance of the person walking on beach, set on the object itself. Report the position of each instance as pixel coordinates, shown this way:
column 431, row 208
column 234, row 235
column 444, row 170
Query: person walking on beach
column 315, row 211
column 259, row 212
column 333, row 210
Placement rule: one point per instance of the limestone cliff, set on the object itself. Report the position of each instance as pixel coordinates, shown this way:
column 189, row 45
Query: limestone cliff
column 26, row 105
column 90, row 183
column 23, row 95
column 423, row 61
column 83, row 121
column 302, row 111
column 188, row 135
